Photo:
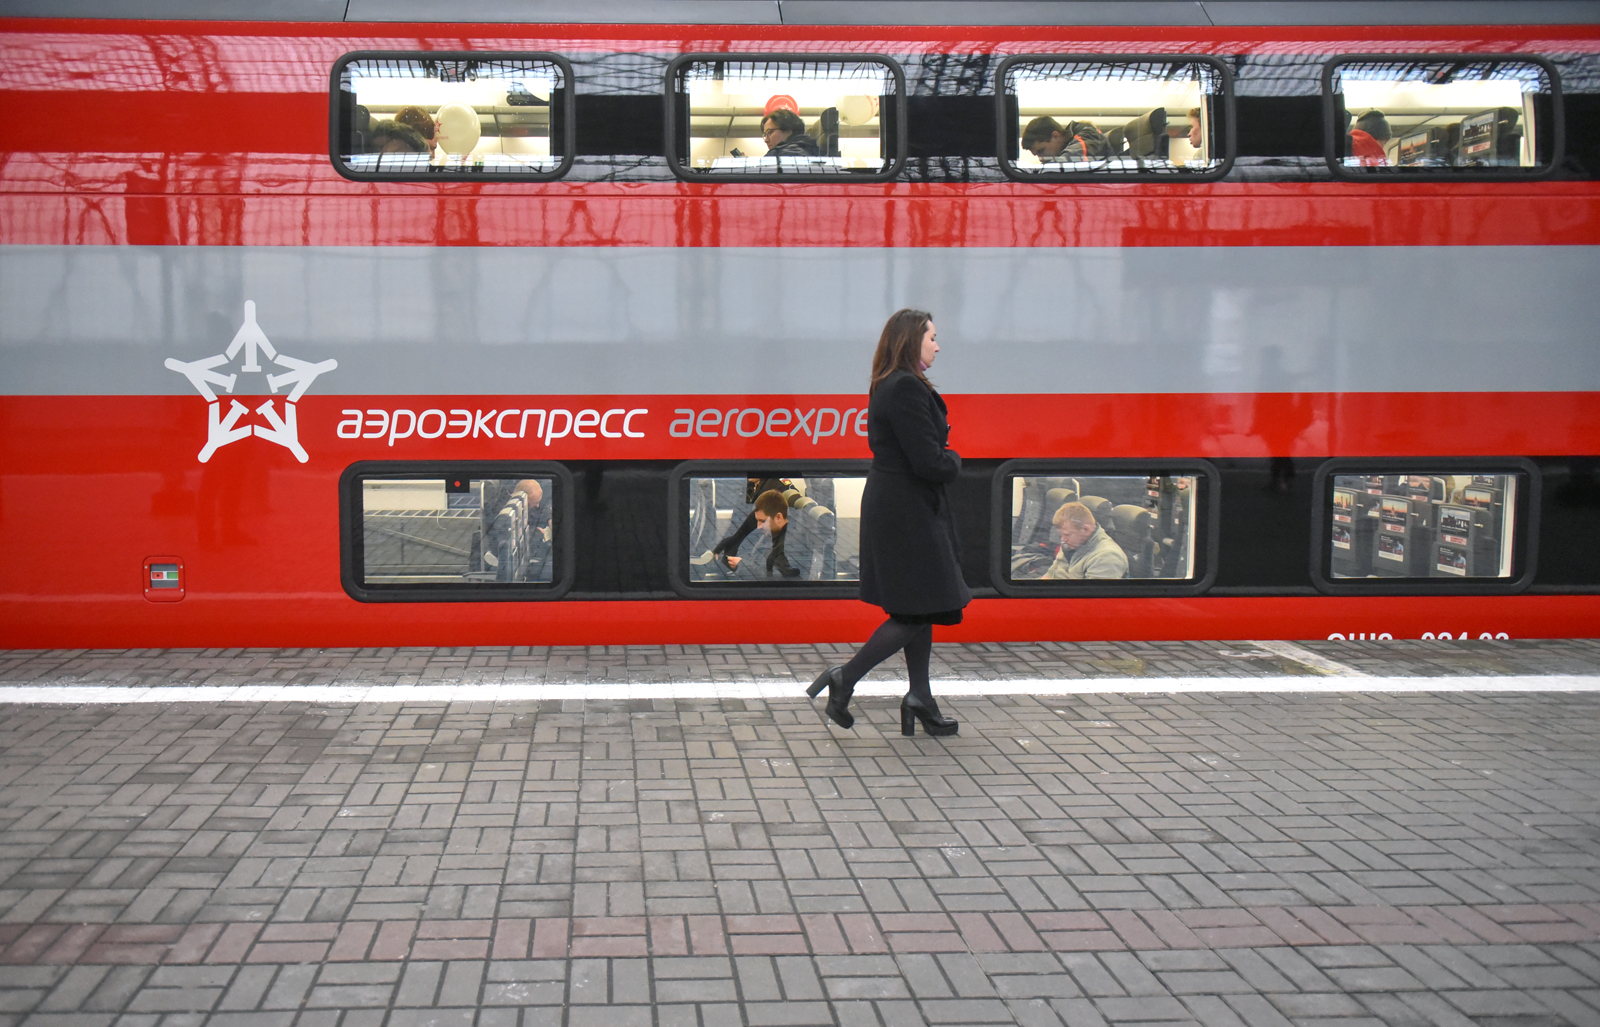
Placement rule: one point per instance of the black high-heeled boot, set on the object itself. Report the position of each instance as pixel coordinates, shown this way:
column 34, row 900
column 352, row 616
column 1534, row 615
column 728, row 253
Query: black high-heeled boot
column 838, row 708
column 933, row 722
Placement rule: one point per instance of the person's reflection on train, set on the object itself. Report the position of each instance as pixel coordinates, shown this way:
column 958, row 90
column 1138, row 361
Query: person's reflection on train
column 416, row 118
column 790, row 554
column 390, row 137
column 1368, row 137
column 1086, row 550
column 1047, row 139
column 754, row 487
column 785, row 135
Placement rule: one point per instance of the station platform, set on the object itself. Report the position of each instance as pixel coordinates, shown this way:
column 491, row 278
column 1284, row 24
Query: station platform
column 1218, row 833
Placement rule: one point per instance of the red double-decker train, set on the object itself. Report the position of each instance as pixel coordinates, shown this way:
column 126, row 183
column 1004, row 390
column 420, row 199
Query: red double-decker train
column 381, row 333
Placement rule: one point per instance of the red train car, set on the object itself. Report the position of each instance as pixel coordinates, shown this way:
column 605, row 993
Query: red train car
column 377, row 334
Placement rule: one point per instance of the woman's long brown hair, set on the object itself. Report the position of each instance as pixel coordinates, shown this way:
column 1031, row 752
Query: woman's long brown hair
column 900, row 347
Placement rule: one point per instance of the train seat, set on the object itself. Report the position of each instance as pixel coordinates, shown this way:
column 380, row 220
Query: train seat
column 820, row 529
column 1100, row 507
column 1132, row 528
column 1146, row 135
column 703, row 525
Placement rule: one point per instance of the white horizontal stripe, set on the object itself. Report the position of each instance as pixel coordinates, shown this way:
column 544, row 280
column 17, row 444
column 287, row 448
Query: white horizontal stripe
column 527, row 691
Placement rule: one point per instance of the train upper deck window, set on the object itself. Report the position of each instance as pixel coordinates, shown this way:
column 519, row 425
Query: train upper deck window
column 1389, row 116
column 1069, row 529
column 426, row 534
column 1151, row 118
column 783, row 118
column 451, row 116
column 1413, row 527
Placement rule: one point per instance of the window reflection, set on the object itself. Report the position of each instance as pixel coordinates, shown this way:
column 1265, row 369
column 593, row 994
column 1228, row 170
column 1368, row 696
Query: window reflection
column 1102, row 528
column 456, row 530
column 1095, row 117
column 441, row 115
column 1444, row 114
column 786, row 117
column 770, row 528
column 1422, row 525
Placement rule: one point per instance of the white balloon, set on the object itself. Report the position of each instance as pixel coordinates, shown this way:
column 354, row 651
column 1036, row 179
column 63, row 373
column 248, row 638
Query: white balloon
column 458, row 128
column 856, row 110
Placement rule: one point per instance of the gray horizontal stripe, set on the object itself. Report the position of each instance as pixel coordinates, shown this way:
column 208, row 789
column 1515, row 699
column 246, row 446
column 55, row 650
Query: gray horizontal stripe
column 457, row 320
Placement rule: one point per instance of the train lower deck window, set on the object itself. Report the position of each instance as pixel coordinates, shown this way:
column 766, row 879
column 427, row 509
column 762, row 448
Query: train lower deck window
column 1077, row 530
column 456, row 533
column 1423, row 528
column 776, row 118
column 767, row 530
column 1150, row 118
column 451, row 116
column 1390, row 116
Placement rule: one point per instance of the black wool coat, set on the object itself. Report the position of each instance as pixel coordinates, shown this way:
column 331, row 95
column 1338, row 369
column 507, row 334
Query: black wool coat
column 909, row 552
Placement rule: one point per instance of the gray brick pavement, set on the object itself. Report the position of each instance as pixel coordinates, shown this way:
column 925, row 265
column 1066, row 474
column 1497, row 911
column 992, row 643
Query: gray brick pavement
column 1227, row 858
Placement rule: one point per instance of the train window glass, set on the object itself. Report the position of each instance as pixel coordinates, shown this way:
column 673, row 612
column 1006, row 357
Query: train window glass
column 1103, row 527
column 785, row 118
column 449, row 115
column 1440, row 115
column 1149, row 117
column 1442, row 526
column 457, row 531
column 773, row 529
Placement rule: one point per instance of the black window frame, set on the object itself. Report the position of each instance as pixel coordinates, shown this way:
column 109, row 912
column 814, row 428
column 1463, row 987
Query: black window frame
column 1207, row 529
column 678, row 528
column 674, row 108
column 1525, row 543
column 566, row 91
column 563, row 531
column 1401, row 173
column 1005, row 117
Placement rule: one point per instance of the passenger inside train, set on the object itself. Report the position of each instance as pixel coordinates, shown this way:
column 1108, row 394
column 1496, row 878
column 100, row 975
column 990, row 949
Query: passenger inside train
column 1437, row 115
column 456, row 531
column 1422, row 525
column 490, row 116
column 766, row 117
column 389, row 136
column 1103, row 527
column 1086, row 550
column 1114, row 117
column 771, row 528
column 785, row 135
column 1050, row 141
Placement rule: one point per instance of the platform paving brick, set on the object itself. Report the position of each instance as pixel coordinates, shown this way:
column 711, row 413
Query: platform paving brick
column 1224, row 858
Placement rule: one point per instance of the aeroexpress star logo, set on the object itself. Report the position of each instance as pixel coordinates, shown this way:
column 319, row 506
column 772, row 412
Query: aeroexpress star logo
column 222, row 430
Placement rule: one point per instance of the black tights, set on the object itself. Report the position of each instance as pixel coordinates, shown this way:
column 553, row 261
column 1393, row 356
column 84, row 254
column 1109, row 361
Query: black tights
column 891, row 637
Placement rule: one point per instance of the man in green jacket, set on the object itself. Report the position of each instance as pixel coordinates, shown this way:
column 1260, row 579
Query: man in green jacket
column 1086, row 550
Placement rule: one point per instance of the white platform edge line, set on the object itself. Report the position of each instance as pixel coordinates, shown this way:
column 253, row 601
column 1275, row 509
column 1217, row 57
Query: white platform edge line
column 92, row 694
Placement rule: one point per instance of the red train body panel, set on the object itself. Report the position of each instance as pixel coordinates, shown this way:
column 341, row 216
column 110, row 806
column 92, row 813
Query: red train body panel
column 213, row 138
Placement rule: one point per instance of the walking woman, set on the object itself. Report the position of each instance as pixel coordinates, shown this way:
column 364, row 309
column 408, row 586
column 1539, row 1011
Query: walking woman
column 908, row 537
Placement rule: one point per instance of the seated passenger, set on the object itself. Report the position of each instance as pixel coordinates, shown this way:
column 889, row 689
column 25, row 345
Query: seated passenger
column 1086, row 550
column 497, row 493
column 754, row 487
column 391, row 137
column 420, row 120
column 790, row 555
column 1052, row 144
column 785, row 135
column 1368, row 137
column 1196, row 134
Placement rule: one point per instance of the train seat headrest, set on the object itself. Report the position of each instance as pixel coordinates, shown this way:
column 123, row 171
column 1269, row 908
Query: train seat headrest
column 1100, row 507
